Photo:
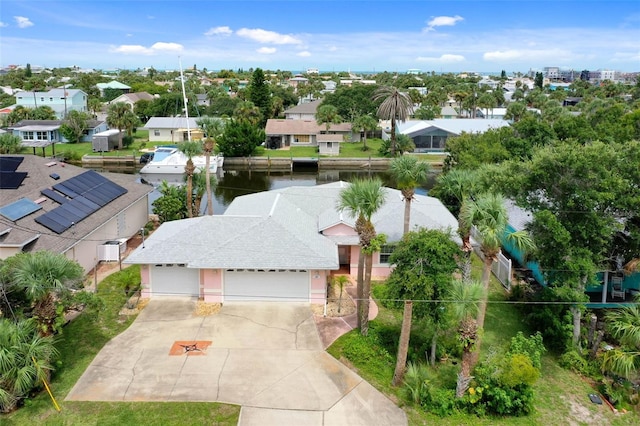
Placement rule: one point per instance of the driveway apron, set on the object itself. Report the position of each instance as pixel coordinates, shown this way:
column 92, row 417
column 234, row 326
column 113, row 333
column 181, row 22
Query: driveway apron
column 265, row 357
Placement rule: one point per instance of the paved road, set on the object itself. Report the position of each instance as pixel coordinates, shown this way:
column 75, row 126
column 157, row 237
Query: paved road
column 266, row 357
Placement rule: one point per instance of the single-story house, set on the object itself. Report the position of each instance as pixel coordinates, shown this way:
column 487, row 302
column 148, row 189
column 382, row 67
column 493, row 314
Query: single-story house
column 50, row 205
column 283, row 133
column 114, row 85
column 432, row 135
column 172, row 129
column 278, row 245
column 38, row 133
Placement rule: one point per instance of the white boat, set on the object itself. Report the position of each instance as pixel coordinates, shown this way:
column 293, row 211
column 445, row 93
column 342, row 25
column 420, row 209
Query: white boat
column 170, row 160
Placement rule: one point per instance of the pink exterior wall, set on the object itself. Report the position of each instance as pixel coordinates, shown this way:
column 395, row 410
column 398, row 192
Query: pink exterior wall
column 378, row 272
column 318, row 286
column 144, row 281
column 211, row 289
column 339, row 229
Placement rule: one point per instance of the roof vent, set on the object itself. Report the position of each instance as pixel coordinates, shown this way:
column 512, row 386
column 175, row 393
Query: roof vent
column 54, row 176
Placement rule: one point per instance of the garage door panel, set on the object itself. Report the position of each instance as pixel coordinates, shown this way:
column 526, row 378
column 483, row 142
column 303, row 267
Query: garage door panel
column 280, row 286
column 175, row 281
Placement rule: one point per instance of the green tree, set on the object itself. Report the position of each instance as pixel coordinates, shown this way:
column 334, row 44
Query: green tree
column 361, row 200
column 10, row 144
column 424, row 261
column 117, row 117
column 395, row 105
column 172, row 203
column 352, row 101
column 240, row 138
column 44, row 112
column 260, row 94
column 94, row 105
column 190, row 149
column 213, row 129
column 427, row 112
column 624, row 325
column 44, row 276
column 248, row 111
column 74, row 126
column 539, row 80
column 409, row 173
column 365, row 123
column 26, row 358
column 327, row 115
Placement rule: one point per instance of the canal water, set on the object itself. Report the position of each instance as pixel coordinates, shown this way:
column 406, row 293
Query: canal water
column 232, row 183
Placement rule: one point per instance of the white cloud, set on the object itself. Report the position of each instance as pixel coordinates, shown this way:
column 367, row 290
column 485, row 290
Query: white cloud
column 443, row 59
column 530, row 55
column 264, row 36
column 136, row 49
column 267, row 50
column 23, row 22
column 224, row 31
column 3, row 24
column 443, row 21
column 304, row 54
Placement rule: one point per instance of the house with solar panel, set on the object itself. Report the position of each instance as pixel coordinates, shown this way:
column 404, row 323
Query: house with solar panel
column 85, row 215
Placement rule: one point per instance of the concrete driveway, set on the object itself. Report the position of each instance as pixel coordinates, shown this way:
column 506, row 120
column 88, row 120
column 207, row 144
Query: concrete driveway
column 266, row 357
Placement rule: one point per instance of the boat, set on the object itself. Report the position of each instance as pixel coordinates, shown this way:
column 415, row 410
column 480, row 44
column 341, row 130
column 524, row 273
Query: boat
column 170, row 160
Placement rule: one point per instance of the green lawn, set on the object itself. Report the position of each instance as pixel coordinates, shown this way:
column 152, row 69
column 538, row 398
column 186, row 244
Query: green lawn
column 561, row 396
column 81, row 340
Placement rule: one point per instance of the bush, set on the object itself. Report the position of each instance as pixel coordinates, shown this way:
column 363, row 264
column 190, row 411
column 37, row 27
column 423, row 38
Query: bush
column 441, row 402
column 574, row 361
column 531, row 346
column 127, row 141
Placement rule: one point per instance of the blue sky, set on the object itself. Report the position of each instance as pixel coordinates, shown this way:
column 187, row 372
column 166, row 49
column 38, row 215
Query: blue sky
column 484, row 36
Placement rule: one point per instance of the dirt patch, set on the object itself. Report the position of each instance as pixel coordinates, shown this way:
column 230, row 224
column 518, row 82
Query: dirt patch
column 345, row 305
column 580, row 414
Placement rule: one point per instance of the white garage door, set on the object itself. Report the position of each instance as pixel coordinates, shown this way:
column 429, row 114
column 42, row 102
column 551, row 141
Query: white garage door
column 174, row 280
column 281, row 286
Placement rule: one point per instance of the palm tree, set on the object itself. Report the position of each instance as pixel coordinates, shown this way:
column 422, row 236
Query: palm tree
column 365, row 123
column 362, row 199
column 395, row 106
column 213, row 128
column 190, row 149
column 20, row 345
column 247, row 110
column 624, row 325
column 464, row 298
column 41, row 275
column 328, row 115
column 116, row 117
column 458, row 185
column 489, row 216
column 200, row 188
column 409, row 173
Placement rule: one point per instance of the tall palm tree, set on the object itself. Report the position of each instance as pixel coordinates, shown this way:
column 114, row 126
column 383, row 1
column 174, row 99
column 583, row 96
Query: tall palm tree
column 489, row 216
column 116, row 117
column 328, row 115
column 458, row 186
column 409, row 173
column 190, row 149
column 213, row 128
column 362, row 199
column 464, row 298
column 41, row 275
column 247, row 110
column 395, row 105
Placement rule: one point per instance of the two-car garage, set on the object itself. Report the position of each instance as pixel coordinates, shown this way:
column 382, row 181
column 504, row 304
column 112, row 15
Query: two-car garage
column 237, row 284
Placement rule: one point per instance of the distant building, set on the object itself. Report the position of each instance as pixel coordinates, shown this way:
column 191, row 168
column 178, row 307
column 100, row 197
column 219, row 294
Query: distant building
column 61, row 101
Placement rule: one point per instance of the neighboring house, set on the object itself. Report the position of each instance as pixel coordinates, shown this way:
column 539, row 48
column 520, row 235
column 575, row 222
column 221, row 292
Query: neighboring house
column 303, row 111
column 61, row 101
column 202, row 100
column 285, row 133
column 37, row 133
column 431, row 135
column 297, row 80
column 448, row 112
column 493, row 113
column 600, row 294
column 131, row 98
column 113, row 84
column 279, row 245
column 172, row 129
column 48, row 205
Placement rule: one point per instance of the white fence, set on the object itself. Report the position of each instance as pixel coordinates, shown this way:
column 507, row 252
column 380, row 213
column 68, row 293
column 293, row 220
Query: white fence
column 500, row 268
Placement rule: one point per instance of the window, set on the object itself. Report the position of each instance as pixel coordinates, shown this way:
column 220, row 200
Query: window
column 27, row 136
column 41, row 136
column 42, row 99
column 329, row 145
column 385, row 252
column 301, row 138
column 156, row 132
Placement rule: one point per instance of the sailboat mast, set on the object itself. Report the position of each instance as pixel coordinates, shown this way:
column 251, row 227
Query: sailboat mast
column 184, row 96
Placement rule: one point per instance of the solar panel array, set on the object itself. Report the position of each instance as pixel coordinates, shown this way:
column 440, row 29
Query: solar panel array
column 19, row 209
column 79, row 197
column 9, row 177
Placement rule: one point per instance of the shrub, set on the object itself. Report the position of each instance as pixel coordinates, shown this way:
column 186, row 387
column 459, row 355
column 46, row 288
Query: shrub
column 574, row 361
column 127, row 141
column 439, row 401
column 416, row 380
column 531, row 346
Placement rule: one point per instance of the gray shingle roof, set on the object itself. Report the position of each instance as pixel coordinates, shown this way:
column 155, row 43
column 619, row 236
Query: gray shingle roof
column 170, row 123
